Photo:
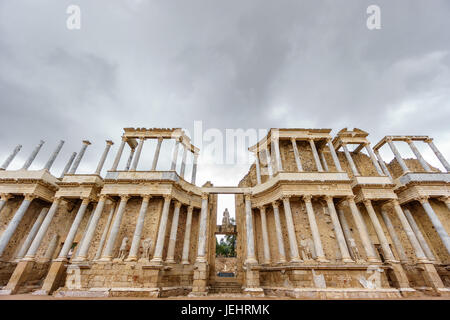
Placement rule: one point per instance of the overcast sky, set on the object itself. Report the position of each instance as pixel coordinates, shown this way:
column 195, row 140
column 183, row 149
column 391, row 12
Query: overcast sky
column 230, row 64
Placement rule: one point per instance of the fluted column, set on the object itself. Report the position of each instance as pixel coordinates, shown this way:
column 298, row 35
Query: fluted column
column 183, row 162
column 276, row 148
column 14, row 223
column 201, row 247
column 440, row 229
column 393, row 234
column 337, row 164
column 350, row 160
column 194, row 169
column 11, row 157
column 397, row 155
column 324, row 161
column 138, row 154
column 108, row 252
column 173, row 234
column 382, row 164
column 269, row 163
column 52, row 245
column 68, row 165
column 79, row 157
column 4, row 197
column 37, row 224
column 109, row 143
column 55, row 153
column 258, row 168
column 33, row 155
column 438, row 154
column 418, row 155
column 379, row 231
column 175, row 155
column 130, row 159
column 251, row 257
column 101, row 244
column 374, row 159
column 133, row 255
column 409, row 232
column 73, row 229
column 338, row 230
column 187, row 236
column 281, row 252
column 314, row 229
column 363, row 234
column 296, row 155
column 82, row 253
column 346, row 229
column 156, row 155
column 316, row 155
column 31, row 253
column 265, row 235
column 118, row 155
column 157, row 256
column 423, row 243
column 293, row 246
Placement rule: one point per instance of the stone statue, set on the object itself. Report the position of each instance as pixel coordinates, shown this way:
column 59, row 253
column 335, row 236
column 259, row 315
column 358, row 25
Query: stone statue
column 355, row 251
column 306, row 250
column 146, row 246
column 123, row 248
column 226, row 218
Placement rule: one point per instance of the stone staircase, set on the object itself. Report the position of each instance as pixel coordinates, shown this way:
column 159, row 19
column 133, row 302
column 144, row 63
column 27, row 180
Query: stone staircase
column 228, row 287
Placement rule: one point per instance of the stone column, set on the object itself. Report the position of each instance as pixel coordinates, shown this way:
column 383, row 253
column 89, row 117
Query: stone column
column 409, row 232
column 26, row 245
column 258, row 168
column 79, row 157
column 436, row 222
column 11, row 157
column 201, row 247
column 276, row 214
column 173, row 167
column 130, row 159
column 3, row 199
column 423, row 243
column 31, row 253
column 397, row 155
column 363, row 234
column 53, row 244
column 133, row 255
column 382, row 164
column 265, row 235
column 379, row 231
column 438, row 154
column 82, row 253
column 118, row 155
column 105, row 233
column 314, row 229
column 324, row 161
column 55, row 153
column 276, row 148
column 194, row 169
column 33, row 155
column 138, row 154
column 157, row 256
column 316, row 155
column 109, row 143
column 14, row 223
column 296, row 155
column 251, row 257
column 393, row 234
column 418, row 155
column 77, row 247
column 183, row 162
column 156, row 155
column 269, row 163
column 69, row 163
column 346, row 229
column 73, row 229
column 350, row 160
column 173, row 234
column 334, row 155
column 338, row 230
column 187, row 236
column 373, row 158
column 108, row 252
column 291, row 230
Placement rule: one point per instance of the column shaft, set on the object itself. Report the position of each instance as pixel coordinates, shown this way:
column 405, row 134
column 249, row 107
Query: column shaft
column 156, row 155
column 258, row 168
column 314, row 230
column 55, row 153
column 173, row 234
column 98, row 254
column 269, row 163
column 69, row 164
column 175, row 156
column 291, row 231
column 108, row 252
column 32, row 234
column 324, row 161
column 109, row 143
column 350, row 160
column 251, row 258
column 334, row 155
column 398, row 156
column 201, row 247
column 130, row 159
column 423, row 243
column 33, row 155
column 438, row 155
column 393, row 234
column 419, row 157
column 374, row 159
column 53, row 244
column 436, row 223
column 346, row 229
column 281, row 252
column 382, row 164
column 298, row 162
column 118, row 155
column 316, row 155
column 276, row 148
column 187, row 236
column 79, row 157
column 157, row 256
column 133, row 255
column 338, row 231
column 11, row 157
column 194, row 169
column 265, row 235
column 183, row 162
column 138, row 154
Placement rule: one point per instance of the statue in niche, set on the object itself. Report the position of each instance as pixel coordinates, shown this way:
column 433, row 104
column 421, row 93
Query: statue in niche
column 306, row 250
column 123, row 248
column 146, row 247
column 226, row 218
column 355, row 251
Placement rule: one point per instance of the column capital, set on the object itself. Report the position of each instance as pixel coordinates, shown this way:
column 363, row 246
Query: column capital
column 444, row 199
column 328, row 198
column 428, row 140
column 307, row 198
column 86, row 142
column 367, row 202
column 422, row 199
column 177, row 204
column 247, row 196
column 408, row 140
column 262, row 207
column 293, row 140
column 389, row 139
column 103, row 197
column 160, row 138
column 124, row 197
column 124, row 139
column 204, row 196
column 109, row 142
column 395, row 202
column 167, row 197
column 275, row 204
column 146, row 197
column 350, row 197
column 5, row 196
column 85, row 200
column 190, row 208
column 30, row 196
column 285, row 197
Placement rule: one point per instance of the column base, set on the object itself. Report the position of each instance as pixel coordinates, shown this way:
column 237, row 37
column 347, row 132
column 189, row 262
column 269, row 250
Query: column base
column 322, row 259
column 53, row 277
column 251, row 260
column 105, row 259
column 172, row 261
column 131, row 259
column 296, row 260
column 347, row 260
column 373, row 259
column 200, row 260
column 185, row 262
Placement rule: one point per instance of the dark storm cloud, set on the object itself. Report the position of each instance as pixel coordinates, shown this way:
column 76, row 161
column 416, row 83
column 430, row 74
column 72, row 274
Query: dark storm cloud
column 247, row 64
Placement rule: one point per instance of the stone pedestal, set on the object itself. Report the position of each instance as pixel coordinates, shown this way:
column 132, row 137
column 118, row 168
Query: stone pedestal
column 432, row 278
column 251, row 282
column 18, row 277
column 200, row 283
column 53, row 278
